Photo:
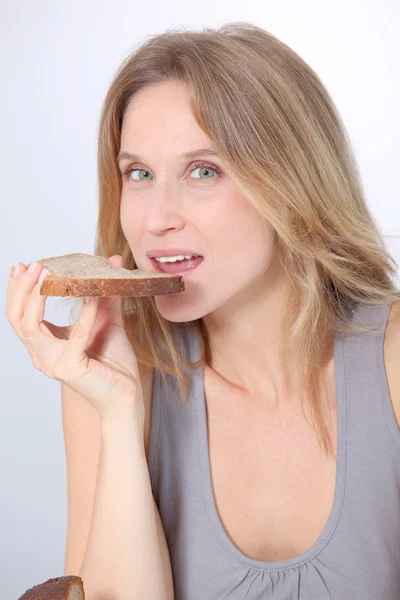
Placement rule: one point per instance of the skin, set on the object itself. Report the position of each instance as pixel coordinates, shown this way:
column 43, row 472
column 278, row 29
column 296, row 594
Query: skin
column 239, row 287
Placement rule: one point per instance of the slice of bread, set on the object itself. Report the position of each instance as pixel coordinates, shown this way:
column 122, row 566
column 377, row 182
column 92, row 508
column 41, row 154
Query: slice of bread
column 69, row 587
column 82, row 274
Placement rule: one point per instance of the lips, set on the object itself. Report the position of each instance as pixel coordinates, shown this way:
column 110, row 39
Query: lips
column 171, row 252
column 180, row 267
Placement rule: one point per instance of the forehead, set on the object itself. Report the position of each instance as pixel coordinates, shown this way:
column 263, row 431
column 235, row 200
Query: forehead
column 161, row 115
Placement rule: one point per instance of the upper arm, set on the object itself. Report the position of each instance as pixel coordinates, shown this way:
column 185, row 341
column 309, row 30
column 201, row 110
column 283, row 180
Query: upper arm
column 81, row 427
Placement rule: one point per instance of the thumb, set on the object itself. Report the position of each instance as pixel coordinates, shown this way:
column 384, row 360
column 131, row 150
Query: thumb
column 110, row 307
column 81, row 332
column 115, row 260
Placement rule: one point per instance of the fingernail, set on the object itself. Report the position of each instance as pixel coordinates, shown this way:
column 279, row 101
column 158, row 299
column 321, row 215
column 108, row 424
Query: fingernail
column 32, row 267
column 17, row 270
column 43, row 275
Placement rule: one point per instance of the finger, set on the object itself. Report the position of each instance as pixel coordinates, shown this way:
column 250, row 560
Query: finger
column 15, row 308
column 19, row 292
column 13, row 305
column 116, row 260
column 109, row 311
column 80, row 334
column 32, row 321
column 111, row 307
column 31, row 324
column 49, row 329
column 61, row 332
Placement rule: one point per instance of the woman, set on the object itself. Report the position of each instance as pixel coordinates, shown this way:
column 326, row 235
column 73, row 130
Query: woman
column 254, row 406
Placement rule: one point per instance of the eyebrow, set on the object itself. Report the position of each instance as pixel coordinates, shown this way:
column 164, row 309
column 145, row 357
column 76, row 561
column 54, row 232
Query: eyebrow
column 187, row 155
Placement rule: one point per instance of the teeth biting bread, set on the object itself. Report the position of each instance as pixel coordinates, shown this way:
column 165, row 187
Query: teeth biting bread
column 80, row 275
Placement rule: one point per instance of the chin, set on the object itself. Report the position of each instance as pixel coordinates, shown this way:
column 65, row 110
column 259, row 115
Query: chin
column 173, row 307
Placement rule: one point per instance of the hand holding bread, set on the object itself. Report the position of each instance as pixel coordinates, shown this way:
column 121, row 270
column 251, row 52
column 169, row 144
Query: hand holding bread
column 94, row 356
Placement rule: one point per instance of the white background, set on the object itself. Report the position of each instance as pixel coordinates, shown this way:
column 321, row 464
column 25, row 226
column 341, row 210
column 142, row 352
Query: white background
column 57, row 60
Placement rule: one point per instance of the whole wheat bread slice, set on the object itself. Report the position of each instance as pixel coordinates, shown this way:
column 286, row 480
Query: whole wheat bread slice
column 69, row 587
column 82, row 274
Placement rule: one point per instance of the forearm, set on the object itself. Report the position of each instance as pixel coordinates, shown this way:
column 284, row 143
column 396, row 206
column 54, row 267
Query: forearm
column 122, row 559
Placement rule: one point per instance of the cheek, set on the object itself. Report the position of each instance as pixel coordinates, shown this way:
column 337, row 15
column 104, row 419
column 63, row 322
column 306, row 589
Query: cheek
column 250, row 249
column 242, row 230
column 130, row 218
column 242, row 248
column 131, row 225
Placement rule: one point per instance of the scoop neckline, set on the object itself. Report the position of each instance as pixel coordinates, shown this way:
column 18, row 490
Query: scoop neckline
column 338, row 498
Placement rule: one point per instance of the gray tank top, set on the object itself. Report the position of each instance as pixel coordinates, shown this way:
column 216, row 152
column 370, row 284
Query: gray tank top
column 357, row 555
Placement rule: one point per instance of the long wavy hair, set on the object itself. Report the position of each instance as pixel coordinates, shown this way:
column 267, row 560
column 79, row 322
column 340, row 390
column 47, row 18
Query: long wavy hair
column 274, row 124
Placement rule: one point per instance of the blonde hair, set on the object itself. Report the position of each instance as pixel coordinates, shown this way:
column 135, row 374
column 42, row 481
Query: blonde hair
column 274, row 124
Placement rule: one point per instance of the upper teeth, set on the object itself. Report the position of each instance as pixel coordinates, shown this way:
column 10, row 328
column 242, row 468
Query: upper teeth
column 172, row 258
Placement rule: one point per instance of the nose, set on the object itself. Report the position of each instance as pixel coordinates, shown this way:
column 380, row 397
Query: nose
column 163, row 210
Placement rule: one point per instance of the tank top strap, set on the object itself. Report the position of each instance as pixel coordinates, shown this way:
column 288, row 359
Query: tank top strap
column 172, row 423
column 372, row 429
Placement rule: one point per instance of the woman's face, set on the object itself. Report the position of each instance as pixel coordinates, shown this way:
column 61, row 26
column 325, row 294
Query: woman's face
column 169, row 201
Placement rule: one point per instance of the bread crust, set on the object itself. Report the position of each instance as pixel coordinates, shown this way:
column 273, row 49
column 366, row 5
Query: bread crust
column 57, row 588
column 111, row 287
column 131, row 283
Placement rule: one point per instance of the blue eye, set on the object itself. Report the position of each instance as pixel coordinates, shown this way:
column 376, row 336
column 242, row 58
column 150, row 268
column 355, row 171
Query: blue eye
column 128, row 172
column 202, row 166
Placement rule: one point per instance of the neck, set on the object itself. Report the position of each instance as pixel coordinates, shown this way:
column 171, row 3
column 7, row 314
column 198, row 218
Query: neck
column 246, row 344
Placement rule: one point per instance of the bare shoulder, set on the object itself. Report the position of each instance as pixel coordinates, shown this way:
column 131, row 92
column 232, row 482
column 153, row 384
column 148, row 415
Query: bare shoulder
column 392, row 357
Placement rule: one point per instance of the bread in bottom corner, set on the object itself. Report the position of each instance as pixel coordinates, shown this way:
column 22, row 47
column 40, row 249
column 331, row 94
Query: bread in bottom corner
column 68, row 587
